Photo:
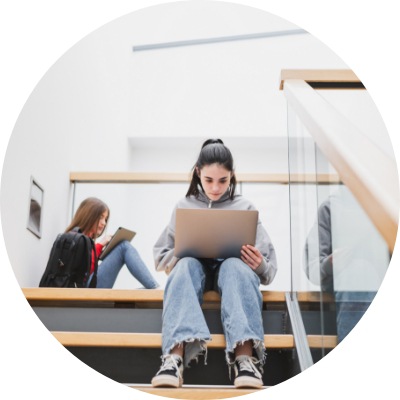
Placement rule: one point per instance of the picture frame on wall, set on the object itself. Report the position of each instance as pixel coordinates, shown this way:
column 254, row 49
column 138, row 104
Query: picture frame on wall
column 36, row 196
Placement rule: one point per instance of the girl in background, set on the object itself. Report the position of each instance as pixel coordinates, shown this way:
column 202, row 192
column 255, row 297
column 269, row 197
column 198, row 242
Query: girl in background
column 91, row 217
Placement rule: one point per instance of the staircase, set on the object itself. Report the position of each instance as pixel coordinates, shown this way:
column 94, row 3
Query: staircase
column 118, row 333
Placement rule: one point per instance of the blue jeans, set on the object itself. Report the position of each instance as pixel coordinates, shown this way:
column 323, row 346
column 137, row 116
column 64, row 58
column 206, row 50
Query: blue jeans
column 350, row 308
column 241, row 305
column 124, row 254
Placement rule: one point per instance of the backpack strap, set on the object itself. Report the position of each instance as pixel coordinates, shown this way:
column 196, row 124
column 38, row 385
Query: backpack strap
column 91, row 250
column 93, row 281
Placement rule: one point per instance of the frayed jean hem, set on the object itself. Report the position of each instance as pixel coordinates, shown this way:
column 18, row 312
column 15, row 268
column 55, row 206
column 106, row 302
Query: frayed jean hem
column 258, row 346
column 193, row 348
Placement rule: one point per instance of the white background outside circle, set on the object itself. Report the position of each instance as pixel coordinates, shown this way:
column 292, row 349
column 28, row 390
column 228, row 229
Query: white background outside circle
column 35, row 34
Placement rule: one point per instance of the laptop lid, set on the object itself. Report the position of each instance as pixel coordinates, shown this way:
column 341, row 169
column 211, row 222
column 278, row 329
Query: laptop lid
column 205, row 233
column 120, row 235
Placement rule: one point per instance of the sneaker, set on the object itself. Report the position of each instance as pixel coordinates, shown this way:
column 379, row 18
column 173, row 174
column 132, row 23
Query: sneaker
column 247, row 373
column 170, row 372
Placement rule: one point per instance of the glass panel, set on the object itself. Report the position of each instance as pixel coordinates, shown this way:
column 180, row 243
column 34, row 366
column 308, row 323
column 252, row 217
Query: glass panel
column 138, row 207
column 334, row 245
column 353, row 255
column 304, row 235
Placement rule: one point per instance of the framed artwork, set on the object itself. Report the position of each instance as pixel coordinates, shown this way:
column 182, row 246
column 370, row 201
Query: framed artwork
column 35, row 208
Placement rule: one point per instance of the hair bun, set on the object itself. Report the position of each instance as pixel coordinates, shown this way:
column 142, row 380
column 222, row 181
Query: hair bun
column 212, row 141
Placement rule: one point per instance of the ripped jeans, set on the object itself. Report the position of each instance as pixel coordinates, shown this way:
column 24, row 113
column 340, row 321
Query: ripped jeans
column 241, row 305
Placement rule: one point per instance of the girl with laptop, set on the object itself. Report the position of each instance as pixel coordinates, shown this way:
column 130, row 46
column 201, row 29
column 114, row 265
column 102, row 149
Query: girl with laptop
column 184, row 330
column 91, row 217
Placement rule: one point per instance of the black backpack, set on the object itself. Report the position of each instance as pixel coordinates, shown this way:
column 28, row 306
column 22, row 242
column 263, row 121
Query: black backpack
column 70, row 261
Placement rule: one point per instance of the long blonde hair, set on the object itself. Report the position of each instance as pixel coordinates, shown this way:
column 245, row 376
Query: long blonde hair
column 88, row 215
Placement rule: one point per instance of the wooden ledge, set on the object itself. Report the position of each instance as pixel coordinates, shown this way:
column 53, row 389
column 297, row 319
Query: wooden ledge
column 175, row 177
column 322, row 341
column 324, row 79
column 141, row 295
column 101, row 295
column 196, row 392
column 153, row 340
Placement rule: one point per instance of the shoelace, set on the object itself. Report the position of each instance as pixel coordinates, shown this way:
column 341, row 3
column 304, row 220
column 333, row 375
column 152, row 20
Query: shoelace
column 169, row 363
column 247, row 364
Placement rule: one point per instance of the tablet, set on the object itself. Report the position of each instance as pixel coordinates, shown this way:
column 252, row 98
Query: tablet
column 212, row 233
column 120, row 235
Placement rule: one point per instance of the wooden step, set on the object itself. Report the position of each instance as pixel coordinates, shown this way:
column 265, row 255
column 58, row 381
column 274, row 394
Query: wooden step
column 120, row 295
column 196, row 392
column 139, row 295
column 153, row 340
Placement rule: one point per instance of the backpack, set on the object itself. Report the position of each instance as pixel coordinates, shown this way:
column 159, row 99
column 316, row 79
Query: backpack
column 70, row 261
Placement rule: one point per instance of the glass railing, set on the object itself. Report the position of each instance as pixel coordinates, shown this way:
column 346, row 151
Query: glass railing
column 337, row 250
column 137, row 206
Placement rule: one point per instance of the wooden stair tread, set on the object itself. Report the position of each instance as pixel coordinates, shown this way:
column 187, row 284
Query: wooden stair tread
column 139, row 295
column 150, row 340
column 196, row 392
column 153, row 340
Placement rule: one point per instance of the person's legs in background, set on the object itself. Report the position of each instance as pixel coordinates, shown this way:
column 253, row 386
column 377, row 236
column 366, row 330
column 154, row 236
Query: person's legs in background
column 124, row 254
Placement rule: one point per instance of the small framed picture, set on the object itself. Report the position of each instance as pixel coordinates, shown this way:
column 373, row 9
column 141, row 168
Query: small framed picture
column 35, row 208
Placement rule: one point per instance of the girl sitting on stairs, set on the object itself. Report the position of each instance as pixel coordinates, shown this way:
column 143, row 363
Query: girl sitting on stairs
column 92, row 217
column 184, row 330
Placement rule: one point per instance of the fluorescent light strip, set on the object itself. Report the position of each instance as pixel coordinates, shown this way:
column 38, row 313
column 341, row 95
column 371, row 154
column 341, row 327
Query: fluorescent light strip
column 195, row 42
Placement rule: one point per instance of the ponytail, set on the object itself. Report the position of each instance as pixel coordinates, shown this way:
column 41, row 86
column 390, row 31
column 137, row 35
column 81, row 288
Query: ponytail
column 213, row 151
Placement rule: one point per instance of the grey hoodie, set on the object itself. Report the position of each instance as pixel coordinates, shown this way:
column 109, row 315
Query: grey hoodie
column 164, row 248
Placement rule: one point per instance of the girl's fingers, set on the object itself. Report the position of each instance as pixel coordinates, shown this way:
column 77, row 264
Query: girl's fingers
column 250, row 255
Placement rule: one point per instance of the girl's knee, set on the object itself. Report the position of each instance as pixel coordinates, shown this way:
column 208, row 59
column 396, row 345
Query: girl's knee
column 124, row 245
column 236, row 267
column 187, row 267
column 234, row 264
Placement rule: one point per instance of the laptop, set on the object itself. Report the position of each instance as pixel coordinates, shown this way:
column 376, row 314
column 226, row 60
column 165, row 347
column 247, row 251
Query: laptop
column 205, row 233
column 120, row 235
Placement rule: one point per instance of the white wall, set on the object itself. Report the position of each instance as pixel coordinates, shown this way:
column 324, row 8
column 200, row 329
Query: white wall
column 100, row 98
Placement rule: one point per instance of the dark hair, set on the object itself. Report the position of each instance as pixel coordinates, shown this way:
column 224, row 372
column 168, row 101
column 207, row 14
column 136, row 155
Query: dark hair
column 88, row 214
column 213, row 151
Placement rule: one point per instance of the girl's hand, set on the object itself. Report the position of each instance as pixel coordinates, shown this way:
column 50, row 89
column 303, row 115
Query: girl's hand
column 251, row 256
column 105, row 239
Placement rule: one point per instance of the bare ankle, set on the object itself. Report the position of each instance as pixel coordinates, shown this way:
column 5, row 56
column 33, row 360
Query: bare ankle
column 244, row 349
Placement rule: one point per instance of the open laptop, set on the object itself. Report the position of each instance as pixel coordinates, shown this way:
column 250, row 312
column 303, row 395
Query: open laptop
column 120, row 235
column 205, row 233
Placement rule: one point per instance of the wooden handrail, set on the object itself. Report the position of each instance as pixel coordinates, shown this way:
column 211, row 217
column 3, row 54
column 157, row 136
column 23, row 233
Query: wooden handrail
column 176, row 177
column 367, row 171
